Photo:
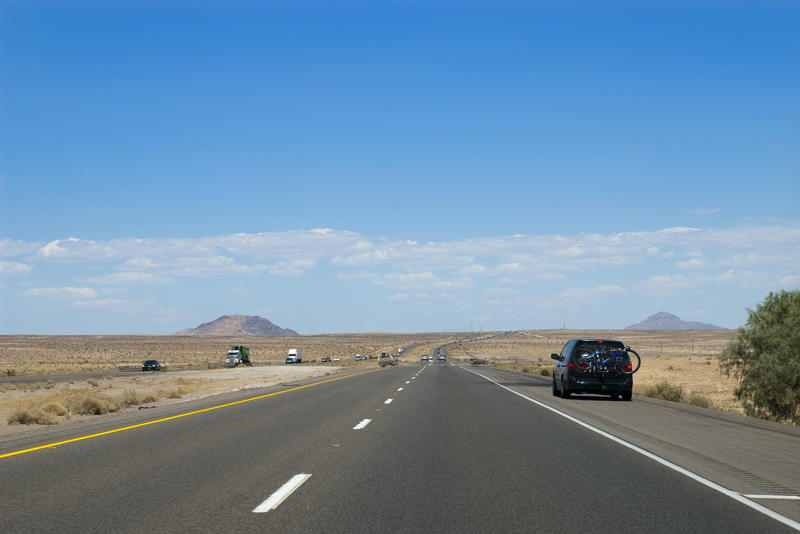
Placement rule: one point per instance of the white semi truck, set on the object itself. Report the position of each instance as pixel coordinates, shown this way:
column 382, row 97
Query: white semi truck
column 294, row 356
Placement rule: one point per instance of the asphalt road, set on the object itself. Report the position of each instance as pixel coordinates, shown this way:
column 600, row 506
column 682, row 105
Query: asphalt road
column 451, row 452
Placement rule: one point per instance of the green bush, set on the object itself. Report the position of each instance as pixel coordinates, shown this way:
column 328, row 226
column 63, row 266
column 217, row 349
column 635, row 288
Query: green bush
column 765, row 359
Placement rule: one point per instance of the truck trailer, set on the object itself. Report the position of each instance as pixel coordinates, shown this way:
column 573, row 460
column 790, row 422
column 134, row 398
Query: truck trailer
column 294, row 356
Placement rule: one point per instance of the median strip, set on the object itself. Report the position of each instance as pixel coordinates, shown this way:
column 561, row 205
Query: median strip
column 283, row 492
column 139, row 425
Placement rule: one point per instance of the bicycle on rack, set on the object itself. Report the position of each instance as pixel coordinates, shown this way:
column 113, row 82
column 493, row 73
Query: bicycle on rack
column 625, row 361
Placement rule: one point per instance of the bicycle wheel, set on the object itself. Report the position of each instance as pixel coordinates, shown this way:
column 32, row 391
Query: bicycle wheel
column 582, row 358
column 630, row 364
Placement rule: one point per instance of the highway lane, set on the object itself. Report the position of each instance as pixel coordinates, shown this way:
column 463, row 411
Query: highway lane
column 451, row 452
column 745, row 455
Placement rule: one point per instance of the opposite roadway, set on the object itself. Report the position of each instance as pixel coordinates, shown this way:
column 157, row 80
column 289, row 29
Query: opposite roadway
column 454, row 450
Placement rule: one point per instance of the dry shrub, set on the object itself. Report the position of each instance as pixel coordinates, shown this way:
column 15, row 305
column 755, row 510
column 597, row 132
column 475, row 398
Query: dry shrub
column 92, row 404
column 131, row 398
column 55, row 408
column 664, row 390
column 34, row 416
column 93, row 382
column 546, row 371
column 696, row 399
column 176, row 393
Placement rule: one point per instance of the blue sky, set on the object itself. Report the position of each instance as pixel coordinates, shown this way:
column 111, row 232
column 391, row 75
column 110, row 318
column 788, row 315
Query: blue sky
column 398, row 166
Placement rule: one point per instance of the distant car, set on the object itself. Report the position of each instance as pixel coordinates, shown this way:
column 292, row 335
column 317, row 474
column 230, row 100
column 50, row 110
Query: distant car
column 151, row 365
column 569, row 377
column 360, row 358
column 442, row 358
column 337, row 359
column 326, row 359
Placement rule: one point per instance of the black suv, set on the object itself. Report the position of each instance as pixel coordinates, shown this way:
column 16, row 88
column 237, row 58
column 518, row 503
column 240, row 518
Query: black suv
column 151, row 365
column 571, row 373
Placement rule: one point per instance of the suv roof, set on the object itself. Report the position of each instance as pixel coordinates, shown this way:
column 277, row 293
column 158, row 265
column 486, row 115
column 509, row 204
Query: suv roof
column 597, row 340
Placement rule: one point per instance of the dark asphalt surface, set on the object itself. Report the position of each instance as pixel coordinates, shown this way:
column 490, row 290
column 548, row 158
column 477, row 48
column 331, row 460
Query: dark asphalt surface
column 453, row 452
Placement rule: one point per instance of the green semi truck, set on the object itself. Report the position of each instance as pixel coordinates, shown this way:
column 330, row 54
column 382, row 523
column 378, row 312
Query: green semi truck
column 238, row 354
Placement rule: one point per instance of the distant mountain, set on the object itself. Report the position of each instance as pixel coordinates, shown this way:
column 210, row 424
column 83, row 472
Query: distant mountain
column 667, row 321
column 238, row 325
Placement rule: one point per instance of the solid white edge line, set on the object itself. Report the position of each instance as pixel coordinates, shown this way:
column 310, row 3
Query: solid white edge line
column 362, row 424
column 694, row 476
column 776, row 497
column 284, row 491
column 388, row 401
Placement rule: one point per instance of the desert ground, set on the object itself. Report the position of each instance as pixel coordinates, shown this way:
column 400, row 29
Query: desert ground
column 683, row 358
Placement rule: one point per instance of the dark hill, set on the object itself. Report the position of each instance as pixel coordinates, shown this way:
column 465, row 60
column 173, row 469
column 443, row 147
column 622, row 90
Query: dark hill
column 667, row 321
column 238, row 325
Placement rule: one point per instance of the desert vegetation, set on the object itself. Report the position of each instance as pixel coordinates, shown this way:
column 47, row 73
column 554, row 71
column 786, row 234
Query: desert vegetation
column 765, row 360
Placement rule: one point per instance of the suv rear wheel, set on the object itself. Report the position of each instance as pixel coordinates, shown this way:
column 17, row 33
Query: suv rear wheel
column 565, row 393
column 627, row 395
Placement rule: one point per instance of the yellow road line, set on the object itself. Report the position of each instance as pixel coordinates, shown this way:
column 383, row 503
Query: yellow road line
column 53, row 445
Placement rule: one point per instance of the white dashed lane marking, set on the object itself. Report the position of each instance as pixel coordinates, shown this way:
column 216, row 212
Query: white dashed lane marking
column 362, row 424
column 283, row 492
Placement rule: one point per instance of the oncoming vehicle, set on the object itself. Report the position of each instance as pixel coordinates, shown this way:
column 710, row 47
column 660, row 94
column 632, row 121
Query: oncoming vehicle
column 151, row 365
column 598, row 366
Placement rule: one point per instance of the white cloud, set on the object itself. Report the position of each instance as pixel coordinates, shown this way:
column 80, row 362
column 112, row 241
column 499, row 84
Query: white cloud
column 356, row 276
column 475, row 268
column 693, row 263
column 14, row 268
column 10, row 248
column 130, row 277
column 97, row 304
column 63, row 292
column 600, row 291
column 651, row 261
column 499, row 291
